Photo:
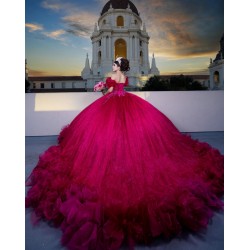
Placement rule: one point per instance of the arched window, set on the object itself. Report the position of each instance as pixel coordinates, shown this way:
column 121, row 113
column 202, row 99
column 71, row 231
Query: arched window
column 216, row 78
column 120, row 48
column 120, row 21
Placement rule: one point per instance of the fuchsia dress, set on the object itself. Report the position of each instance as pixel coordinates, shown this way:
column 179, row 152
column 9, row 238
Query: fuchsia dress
column 122, row 172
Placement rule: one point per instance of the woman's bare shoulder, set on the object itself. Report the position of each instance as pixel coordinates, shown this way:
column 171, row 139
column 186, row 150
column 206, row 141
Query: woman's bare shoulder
column 113, row 76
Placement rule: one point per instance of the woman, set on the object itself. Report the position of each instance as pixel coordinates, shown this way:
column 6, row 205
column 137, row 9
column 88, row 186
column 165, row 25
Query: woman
column 123, row 173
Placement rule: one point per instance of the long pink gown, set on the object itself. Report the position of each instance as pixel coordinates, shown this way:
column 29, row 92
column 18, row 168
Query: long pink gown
column 122, row 173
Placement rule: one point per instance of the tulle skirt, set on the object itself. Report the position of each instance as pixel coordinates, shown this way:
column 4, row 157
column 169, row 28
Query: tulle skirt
column 122, row 172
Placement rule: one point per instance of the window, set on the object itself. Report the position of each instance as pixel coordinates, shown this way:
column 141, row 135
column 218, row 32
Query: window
column 120, row 21
column 52, row 85
column 140, row 43
column 99, row 57
column 42, row 85
column 141, row 57
column 100, row 43
column 216, row 78
column 104, row 22
column 120, row 48
column 63, row 85
column 34, row 85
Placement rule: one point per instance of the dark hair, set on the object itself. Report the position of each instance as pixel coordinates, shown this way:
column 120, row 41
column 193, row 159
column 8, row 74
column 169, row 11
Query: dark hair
column 124, row 64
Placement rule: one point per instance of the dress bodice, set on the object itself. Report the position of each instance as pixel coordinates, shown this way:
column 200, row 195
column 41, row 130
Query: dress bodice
column 118, row 87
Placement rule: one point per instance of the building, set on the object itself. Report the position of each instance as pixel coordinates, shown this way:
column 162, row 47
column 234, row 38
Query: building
column 119, row 32
column 216, row 69
column 57, row 84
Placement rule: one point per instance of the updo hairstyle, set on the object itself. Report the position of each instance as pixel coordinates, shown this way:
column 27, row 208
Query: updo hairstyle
column 123, row 63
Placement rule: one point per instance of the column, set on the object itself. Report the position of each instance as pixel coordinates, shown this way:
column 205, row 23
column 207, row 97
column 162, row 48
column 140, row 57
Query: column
column 104, row 47
column 136, row 48
column 130, row 47
column 110, row 48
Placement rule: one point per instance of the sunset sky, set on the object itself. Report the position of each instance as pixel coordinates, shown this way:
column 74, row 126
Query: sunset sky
column 184, row 34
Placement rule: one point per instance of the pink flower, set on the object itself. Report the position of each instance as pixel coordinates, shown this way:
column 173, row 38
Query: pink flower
column 99, row 86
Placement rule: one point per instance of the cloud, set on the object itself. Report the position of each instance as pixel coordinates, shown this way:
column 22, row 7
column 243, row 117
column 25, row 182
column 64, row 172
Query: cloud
column 55, row 34
column 57, row 5
column 51, row 5
column 76, row 20
column 80, row 24
column 179, row 28
column 37, row 73
column 33, row 27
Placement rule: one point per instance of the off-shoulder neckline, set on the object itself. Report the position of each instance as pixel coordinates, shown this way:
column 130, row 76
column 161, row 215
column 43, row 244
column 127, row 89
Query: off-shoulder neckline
column 116, row 81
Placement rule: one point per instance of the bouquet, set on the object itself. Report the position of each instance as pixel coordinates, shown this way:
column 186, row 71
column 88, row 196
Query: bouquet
column 99, row 86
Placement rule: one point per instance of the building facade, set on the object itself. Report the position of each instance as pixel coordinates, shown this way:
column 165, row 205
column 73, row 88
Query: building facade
column 57, row 83
column 119, row 32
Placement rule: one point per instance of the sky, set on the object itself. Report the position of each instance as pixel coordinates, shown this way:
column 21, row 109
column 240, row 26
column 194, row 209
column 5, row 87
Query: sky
column 184, row 34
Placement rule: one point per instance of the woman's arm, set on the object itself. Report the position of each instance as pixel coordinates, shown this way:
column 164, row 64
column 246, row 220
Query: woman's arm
column 108, row 91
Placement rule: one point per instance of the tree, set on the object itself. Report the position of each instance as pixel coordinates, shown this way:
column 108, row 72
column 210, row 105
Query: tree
column 175, row 83
column 197, row 86
column 154, row 83
column 180, row 82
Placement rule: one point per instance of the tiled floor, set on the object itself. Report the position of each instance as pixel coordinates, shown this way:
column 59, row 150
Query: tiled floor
column 46, row 237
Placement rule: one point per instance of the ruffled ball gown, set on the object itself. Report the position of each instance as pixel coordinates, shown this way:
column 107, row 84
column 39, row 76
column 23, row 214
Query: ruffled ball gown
column 122, row 173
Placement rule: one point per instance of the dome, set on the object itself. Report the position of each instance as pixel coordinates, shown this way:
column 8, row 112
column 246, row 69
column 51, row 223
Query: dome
column 119, row 4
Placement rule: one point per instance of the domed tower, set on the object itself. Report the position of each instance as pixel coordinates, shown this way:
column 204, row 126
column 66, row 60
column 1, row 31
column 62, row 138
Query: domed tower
column 119, row 32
